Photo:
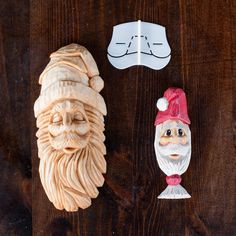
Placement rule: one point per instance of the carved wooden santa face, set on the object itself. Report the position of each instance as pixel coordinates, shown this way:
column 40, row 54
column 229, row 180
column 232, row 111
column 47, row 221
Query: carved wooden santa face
column 173, row 132
column 173, row 141
column 70, row 119
column 71, row 172
column 173, row 146
column 69, row 127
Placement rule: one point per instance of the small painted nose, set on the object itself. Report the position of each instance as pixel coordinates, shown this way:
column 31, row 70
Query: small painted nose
column 175, row 139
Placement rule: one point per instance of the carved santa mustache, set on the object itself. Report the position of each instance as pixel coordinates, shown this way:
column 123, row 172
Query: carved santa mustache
column 66, row 141
column 170, row 166
column 171, row 149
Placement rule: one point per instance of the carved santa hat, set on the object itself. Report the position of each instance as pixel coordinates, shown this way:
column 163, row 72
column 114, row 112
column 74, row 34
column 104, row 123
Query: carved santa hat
column 71, row 73
column 173, row 106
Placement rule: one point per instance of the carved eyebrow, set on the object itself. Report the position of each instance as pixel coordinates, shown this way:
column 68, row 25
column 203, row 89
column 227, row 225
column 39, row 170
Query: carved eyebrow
column 120, row 43
column 180, row 126
column 171, row 126
column 157, row 43
column 167, row 126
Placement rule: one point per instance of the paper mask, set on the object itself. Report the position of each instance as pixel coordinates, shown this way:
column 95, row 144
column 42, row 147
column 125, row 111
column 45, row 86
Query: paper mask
column 173, row 141
column 139, row 43
column 69, row 114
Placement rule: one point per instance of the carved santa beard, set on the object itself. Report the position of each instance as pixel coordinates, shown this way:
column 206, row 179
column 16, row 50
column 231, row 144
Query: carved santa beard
column 171, row 166
column 71, row 180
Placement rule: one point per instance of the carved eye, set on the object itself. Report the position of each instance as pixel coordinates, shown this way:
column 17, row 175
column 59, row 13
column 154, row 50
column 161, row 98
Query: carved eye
column 57, row 118
column 168, row 133
column 181, row 133
column 78, row 117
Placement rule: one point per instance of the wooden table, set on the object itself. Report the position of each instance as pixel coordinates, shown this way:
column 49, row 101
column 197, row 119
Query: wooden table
column 202, row 35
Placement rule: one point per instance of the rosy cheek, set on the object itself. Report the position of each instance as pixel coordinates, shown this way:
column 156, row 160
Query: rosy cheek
column 163, row 142
column 183, row 140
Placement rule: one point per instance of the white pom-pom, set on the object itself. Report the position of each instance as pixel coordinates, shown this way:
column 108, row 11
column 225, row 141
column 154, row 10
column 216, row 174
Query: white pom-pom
column 162, row 104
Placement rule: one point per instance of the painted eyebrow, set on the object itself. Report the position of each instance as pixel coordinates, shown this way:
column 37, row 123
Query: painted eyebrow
column 157, row 43
column 167, row 127
column 180, row 126
column 120, row 43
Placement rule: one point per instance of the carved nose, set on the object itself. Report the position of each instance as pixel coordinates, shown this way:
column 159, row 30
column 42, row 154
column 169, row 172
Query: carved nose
column 67, row 119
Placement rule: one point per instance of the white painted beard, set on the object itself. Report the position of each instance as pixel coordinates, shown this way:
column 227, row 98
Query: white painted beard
column 171, row 166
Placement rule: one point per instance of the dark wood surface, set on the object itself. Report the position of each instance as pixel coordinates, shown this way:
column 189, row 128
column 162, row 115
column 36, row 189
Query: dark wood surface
column 15, row 120
column 202, row 35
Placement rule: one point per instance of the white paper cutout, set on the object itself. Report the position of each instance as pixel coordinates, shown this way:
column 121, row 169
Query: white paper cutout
column 139, row 43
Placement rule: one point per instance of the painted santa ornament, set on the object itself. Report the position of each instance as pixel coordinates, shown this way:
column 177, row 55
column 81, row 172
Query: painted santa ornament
column 69, row 112
column 173, row 141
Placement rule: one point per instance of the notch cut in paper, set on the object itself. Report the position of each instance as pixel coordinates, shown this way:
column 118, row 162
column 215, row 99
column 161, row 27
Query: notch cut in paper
column 139, row 43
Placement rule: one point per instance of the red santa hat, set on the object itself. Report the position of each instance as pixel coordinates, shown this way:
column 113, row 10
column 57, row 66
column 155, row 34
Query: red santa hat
column 173, row 106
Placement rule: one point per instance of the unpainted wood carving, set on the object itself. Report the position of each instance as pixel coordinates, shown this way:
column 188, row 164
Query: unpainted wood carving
column 70, row 120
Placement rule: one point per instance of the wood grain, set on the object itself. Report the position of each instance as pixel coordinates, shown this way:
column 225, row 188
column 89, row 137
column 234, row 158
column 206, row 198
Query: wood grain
column 202, row 36
column 15, row 142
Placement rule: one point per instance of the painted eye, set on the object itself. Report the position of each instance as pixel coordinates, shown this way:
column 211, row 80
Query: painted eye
column 57, row 118
column 180, row 133
column 168, row 133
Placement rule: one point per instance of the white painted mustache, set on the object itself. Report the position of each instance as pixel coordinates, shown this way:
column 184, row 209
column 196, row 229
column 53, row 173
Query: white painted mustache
column 170, row 166
column 171, row 148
